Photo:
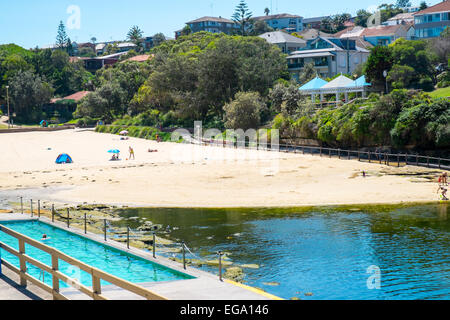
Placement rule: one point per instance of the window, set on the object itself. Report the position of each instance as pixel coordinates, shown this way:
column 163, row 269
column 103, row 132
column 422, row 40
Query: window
column 321, row 62
column 445, row 16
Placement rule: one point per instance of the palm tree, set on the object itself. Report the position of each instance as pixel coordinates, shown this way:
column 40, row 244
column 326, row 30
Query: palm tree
column 135, row 35
column 267, row 11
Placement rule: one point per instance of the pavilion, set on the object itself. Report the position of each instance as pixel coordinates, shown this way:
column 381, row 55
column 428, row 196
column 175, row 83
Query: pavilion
column 338, row 86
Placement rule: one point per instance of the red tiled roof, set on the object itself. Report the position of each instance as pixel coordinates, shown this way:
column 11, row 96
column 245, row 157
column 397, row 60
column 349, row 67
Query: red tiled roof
column 76, row 97
column 140, row 58
column 381, row 30
column 440, row 7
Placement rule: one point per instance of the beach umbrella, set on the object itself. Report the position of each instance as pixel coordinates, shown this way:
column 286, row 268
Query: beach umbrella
column 114, row 151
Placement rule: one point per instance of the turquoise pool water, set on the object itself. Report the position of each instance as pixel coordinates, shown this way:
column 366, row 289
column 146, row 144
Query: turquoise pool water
column 113, row 261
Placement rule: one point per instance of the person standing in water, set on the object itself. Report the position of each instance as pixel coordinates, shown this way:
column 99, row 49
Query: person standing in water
column 131, row 153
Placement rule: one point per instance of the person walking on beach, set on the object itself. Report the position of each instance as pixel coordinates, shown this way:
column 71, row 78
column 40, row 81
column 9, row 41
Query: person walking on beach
column 443, row 191
column 131, row 153
column 444, row 179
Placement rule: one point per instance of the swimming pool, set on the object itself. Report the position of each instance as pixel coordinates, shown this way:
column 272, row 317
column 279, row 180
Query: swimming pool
column 113, row 261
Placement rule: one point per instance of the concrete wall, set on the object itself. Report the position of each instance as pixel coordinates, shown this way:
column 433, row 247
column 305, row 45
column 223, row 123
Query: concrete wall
column 19, row 130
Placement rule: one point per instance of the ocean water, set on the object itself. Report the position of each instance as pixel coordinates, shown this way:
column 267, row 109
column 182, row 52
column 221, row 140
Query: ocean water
column 336, row 253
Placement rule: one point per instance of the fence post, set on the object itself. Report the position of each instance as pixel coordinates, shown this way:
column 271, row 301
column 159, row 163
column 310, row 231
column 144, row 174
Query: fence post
column 21, row 204
column 184, row 254
column 31, row 207
column 398, row 160
column 55, row 280
column 220, row 264
column 439, row 163
column 53, row 213
column 349, row 155
column 339, row 153
column 68, row 218
column 329, row 152
column 387, row 159
column 359, row 156
column 23, row 264
column 128, row 237
column 417, row 159
column 321, row 152
column 85, row 223
column 370, row 160
column 154, row 244
column 39, row 208
column 428, row 161
column 104, row 227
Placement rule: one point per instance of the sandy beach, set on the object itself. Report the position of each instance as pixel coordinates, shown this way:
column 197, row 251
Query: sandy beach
column 181, row 175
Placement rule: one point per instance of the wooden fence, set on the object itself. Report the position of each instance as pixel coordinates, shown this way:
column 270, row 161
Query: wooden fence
column 94, row 292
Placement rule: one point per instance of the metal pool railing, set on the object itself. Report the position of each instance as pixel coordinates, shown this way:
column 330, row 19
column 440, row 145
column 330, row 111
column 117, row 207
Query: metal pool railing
column 97, row 275
column 69, row 219
column 386, row 158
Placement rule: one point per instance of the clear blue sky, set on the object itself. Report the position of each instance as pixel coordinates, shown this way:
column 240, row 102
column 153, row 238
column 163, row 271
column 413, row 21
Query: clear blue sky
column 31, row 23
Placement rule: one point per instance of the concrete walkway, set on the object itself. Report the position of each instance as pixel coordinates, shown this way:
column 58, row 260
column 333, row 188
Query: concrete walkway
column 205, row 286
column 11, row 290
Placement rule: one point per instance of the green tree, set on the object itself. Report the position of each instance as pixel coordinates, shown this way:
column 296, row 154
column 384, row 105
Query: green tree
column 244, row 111
column 423, row 5
column 243, row 17
column 403, row 4
column 308, row 73
column 380, row 60
column 61, row 37
column 187, row 30
column 135, row 36
column 28, row 93
column 106, row 103
column 361, row 18
column 158, row 39
column 260, row 27
column 86, row 52
column 266, row 11
column 69, row 47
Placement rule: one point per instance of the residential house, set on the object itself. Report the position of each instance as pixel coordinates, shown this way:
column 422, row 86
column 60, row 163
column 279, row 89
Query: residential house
column 96, row 63
column 385, row 35
column 286, row 42
column 313, row 23
column 431, row 21
column 401, row 18
column 310, row 34
column 379, row 35
column 283, row 21
column 330, row 57
column 211, row 24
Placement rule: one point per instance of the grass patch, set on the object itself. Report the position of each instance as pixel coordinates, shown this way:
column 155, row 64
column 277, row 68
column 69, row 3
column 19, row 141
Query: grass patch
column 441, row 93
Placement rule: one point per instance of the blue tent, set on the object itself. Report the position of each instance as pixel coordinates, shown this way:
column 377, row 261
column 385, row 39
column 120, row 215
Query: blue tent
column 64, row 158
